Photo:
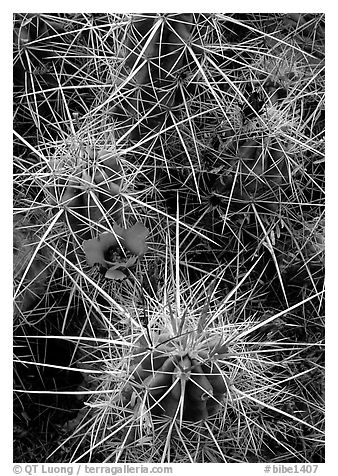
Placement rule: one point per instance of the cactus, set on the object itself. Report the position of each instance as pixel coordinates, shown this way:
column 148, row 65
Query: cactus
column 172, row 124
column 89, row 190
column 257, row 174
column 179, row 379
column 31, row 262
column 156, row 59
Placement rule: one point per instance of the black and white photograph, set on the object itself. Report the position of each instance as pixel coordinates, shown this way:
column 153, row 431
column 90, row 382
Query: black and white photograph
column 168, row 239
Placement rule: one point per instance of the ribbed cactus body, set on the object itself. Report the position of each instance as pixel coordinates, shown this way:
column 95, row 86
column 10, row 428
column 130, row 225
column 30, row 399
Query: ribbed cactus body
column 88, row 185
column 157, row 55
column 176, row 382
column 256, row 174
column 30, row 262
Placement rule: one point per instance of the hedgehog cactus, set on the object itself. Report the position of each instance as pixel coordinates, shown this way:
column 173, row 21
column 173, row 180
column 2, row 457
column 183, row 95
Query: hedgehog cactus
column 256, row 174
column 179, row 381
column 30, row 262
column 87, row 185
column 157, row 55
